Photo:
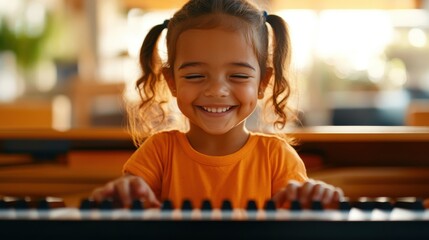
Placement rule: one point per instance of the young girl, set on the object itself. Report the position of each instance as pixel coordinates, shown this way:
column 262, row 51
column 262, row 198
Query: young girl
column 218, row 68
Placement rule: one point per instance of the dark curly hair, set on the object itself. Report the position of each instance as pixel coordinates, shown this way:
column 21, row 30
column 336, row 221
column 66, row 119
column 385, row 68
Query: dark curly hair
column 153, row 112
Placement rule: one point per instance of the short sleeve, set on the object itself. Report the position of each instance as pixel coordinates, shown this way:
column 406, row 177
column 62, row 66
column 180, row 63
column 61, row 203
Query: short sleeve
column 146, row 162
column 286, row 165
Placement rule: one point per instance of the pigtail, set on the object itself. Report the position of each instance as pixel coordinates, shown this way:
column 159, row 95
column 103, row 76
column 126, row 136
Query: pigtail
column 152, row 91
column 150, row 65
column 281, row 62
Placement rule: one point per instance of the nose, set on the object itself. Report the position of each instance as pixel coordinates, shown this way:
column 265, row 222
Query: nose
column 216, row 88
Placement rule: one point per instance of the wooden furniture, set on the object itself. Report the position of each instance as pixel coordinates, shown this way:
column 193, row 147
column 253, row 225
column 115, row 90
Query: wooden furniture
column 26, row 114
column 96, row 104
column 363, row 161
column 370, row 161
column 66, row 164
column 418, row 113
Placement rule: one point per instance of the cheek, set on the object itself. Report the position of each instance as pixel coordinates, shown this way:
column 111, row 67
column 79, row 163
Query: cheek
column 184, row 97
column 249, row 94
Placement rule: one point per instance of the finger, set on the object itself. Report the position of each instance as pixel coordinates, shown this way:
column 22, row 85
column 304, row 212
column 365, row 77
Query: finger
column 293, row 190
column 154, row 202
column 336, row 198
column 327, row 195
column 338, row 195
column 141, row 190
column 138, row 189
column 317, row 191
column 287, row 194
column 122, row 190
column 280, row 198
column 101, row 193
column 97, row 195
column 306, row 193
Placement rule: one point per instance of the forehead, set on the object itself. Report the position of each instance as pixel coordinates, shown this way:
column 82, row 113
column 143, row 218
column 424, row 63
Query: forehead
column 215, row 37
column 213, row 46
column 209, row 21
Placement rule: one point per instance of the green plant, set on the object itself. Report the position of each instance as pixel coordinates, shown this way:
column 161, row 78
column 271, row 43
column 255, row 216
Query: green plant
column 28, row 49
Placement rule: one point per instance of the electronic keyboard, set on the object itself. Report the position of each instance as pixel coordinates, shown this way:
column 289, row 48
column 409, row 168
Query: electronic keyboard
column 381, row 218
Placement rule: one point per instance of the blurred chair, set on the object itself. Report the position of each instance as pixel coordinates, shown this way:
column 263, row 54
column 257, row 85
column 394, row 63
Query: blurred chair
column 418, row 113
column 97, row 104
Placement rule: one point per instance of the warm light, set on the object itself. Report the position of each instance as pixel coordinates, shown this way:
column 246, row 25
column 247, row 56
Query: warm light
column 35, row 18
column 139, row 24
column 397, row 74
column 62, row 108
column 353, row 37
column 303, row 27
column 8, row 75
column 46, row 76
column 417, row 37
column 376, row 70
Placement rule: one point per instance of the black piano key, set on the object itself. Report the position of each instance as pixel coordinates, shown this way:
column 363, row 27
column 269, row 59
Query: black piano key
column 295, row 205
column 206, row 205
column 317, row 206
column 43, row 204
column 137, row 205
column 251, row 205
column 344, row 206
column 365, row 204
column 187, row 205
column 106, row 204
column 410, row 204
column 3, row 204
column 21, row 204
column 270, row 205
column 87, row 204
column 226, row 205
column 383, row 204
column 167, row 205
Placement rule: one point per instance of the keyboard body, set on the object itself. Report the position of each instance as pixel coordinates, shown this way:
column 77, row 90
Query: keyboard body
column 355, row 223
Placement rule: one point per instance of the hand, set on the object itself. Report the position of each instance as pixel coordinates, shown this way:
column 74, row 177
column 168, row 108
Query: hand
column 308, row 192
column 125, row 189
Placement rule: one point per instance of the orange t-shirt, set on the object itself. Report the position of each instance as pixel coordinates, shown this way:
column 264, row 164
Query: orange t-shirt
column 176, row 171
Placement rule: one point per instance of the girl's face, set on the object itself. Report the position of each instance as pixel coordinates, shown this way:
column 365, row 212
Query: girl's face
column 216, row 79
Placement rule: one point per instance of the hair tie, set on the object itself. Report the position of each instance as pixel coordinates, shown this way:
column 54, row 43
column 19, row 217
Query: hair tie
column 165, row 24
column 265, row 14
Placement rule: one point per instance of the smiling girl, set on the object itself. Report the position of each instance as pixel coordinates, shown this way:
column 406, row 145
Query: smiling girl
column 218, row 68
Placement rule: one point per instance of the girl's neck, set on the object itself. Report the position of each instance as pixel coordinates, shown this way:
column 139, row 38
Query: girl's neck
column 218, row 145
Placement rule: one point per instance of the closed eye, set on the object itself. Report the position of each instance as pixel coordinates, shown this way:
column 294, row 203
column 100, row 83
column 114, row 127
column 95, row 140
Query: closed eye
column 240, row 76
column 193, row 76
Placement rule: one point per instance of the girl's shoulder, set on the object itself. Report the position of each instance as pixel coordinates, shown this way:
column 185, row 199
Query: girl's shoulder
column 162, row 141
column 166, row 135
column 271, row 137
column 271, row 141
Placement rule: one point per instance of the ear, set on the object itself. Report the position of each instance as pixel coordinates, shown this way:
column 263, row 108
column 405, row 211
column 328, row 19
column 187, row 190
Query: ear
column 168, row 75
column 264, row 82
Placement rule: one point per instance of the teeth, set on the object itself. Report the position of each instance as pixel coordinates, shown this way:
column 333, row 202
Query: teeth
column 216, row 110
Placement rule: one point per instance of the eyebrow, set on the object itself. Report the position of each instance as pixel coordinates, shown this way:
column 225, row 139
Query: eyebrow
column 243, row 64
column 189, row 64
column 240, row 64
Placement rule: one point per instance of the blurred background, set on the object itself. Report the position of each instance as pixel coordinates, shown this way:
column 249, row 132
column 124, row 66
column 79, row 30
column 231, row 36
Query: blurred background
column 69, row 63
